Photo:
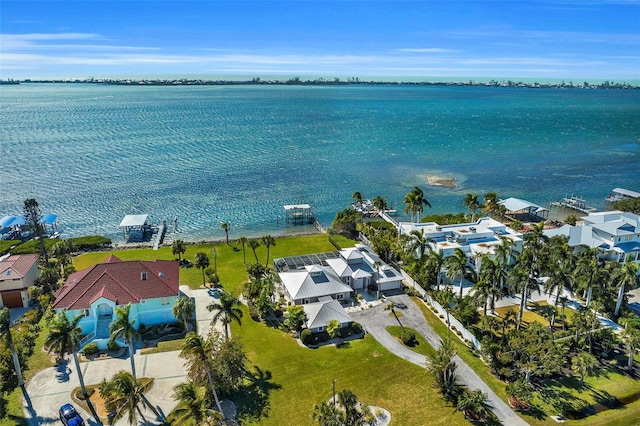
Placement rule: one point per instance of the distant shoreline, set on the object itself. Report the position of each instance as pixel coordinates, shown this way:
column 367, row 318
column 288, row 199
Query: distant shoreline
column 324, row 82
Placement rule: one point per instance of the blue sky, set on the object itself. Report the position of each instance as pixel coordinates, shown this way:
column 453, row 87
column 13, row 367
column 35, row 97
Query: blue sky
column 565, row 39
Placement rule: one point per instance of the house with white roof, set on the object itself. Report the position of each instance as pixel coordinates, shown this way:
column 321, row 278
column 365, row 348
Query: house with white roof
column 309, row 284
column 475, row 239
column 615, row 233
column 326, row 309
column 360, row 267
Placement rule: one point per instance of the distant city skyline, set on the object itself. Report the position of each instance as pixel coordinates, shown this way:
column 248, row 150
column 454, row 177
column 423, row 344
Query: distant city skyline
column 395, row 40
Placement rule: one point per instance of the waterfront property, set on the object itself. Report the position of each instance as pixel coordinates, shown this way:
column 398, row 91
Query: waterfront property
column 615, row 233
column 326, row 309
column 151, row 287
column 476, row 239
column 619, row 194
column 17, row 274
column 308, row 278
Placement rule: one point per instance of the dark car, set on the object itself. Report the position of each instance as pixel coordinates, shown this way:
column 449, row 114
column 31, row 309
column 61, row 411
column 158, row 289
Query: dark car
column 69, row 416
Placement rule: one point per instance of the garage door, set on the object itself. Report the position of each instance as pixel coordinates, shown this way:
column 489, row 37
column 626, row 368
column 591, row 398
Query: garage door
column 12, row 299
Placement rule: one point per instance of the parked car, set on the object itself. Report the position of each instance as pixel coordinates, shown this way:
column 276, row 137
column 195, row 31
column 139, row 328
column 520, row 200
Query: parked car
column 69, row 416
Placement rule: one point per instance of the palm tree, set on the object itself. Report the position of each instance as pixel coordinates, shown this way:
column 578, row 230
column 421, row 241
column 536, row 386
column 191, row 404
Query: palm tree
column 63, row 338
column 391, row 307
column 124, row 391
column 225, row 228
column 197, row 352
column 457, row 266
column 379, row 203
column 327, row 414
column 445, row 297
column 588, row 271
column 490, row 203
column 268, row 241
column 560, row 279
column 583, row 364
column 122, row 328
column 472, row 203
column 627, row 276
column 184, row 309
column 202, row 262
column 254, row 244
column 473, row 404
column 415, row 203
column 491, row 272
column 228, row 309
column 436, row 261
column 631, row 338
column 419, row 244
column 243, row 240
column 481, row 293
column 524, row 282
column 193, row 404
column 357, row 198
column 5, row 332
column 178, row 248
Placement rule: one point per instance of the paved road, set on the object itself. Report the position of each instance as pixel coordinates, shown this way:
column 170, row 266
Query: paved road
column 375, row 321
column 45, row 394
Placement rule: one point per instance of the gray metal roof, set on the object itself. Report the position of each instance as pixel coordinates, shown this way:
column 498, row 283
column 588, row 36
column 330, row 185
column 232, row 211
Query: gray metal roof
column 320, row 313
column 313, row 281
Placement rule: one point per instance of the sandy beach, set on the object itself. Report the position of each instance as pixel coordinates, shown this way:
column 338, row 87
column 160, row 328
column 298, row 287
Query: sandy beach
column 447, row 182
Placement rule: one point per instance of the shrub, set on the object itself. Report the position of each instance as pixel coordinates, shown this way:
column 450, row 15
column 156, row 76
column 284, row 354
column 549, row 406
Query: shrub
column 91, row 349
column 305, row 336
column 408, row 338
column 441, row 316
column 111, row 345
column 253, row 312
column 356, row 327
column 91, row 242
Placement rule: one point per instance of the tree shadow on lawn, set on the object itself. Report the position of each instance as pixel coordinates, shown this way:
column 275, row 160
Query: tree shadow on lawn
column 560, row 399
column 252, row 401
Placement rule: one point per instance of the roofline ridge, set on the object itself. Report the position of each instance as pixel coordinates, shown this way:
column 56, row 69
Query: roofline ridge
column 88, row 287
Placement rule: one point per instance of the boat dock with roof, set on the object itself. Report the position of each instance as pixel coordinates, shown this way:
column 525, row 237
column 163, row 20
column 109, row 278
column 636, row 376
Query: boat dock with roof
column 618, row 194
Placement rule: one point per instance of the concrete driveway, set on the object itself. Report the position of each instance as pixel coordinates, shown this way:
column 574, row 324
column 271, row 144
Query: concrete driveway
column 45, row 393
column 375, row 322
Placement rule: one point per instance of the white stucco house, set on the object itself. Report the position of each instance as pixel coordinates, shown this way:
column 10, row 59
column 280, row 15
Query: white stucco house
column 151, row 287
column 17, row 273
column 616, row 234
column 476, row 239
column 309, row 284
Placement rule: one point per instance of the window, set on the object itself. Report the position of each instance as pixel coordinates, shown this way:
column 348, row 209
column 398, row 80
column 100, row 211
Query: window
column 320, row 328
column 305, row 301
column 340, row 296
column 85, row 312
column 143, row 276
column 164, row 301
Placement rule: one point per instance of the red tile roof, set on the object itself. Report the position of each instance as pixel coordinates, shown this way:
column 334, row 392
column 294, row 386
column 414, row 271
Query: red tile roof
column 20, row 265
column 119, row 281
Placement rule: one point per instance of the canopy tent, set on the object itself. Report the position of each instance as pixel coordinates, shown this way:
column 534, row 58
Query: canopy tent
column 49, row 218
column 9, row 221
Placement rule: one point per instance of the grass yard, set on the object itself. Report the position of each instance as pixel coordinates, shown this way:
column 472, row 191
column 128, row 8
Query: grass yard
column 422, row 346
column 556, row 394
column 168, row 346
column 230, row 258
column 301, row 377
column 38, row 361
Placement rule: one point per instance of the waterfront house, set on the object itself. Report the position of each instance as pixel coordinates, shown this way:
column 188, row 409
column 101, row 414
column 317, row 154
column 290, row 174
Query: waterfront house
column 616, row 234
column 326, row 309
column 476, row 239
column 151, row 287
column 309, row 284
column 361, row 268
column 17, row 274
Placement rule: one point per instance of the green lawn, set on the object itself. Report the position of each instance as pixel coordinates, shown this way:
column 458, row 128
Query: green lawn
column 230, row 260
column 38, row 361
column 556, row 393
column 422, row 346
column 302, row 377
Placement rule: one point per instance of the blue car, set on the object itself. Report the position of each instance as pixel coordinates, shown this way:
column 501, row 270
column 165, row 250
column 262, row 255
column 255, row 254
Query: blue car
column 69, row 416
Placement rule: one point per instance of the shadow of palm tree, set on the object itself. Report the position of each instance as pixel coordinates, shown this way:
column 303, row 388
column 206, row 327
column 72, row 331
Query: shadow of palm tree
column 252, row 400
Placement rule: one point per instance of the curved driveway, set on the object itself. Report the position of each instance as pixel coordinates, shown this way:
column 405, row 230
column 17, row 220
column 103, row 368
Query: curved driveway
column 375, row 321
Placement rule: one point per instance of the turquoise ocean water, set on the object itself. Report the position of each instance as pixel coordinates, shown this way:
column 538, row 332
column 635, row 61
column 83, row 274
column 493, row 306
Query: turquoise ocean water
column 208, row 154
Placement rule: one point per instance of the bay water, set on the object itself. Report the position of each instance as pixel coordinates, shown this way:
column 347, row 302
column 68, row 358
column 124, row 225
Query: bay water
column 211, row 154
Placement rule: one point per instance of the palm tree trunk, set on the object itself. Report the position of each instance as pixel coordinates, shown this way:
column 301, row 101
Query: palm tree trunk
column 16, row 364
column 461, row 278
column 619, row 303
column 589, row 294
column 523, row 305
column 398, row 319
column 632, row 350
column 213, row 389
column 80, row 378
column 133, row 364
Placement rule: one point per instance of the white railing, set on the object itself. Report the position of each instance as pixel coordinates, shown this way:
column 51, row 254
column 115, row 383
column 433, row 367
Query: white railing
column 466, row 334
column 86, row 339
